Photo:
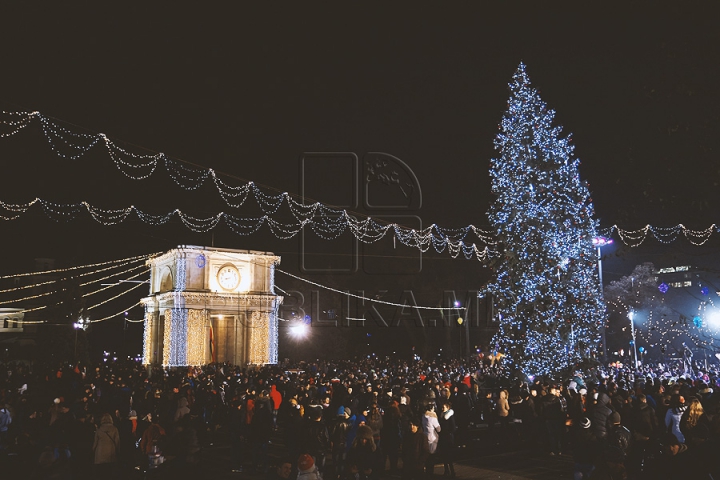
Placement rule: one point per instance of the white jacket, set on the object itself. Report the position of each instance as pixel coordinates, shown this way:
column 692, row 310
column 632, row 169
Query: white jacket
column 431, row 428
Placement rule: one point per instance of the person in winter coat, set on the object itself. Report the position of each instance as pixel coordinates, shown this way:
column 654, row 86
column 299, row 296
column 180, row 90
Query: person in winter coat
column 414, row 452
column 307, row 470
column 643, row 420
column 182, row 409
column 446, row 442
column 152, row 436
column 261, row 431
column 361, row 458
column 355, row 421
column 585, row 449
column 554, row 417
column 105, row 446
column 674, row 415
column 619, row 437
column 292, row 427
column 5, row 421
column 338, row 431
column 431, row 429
column 375, row 421
column 693, row 422
column 276, row 398
column 128, row 430
column 314, row 437
column 391, row 436
column 598, row 413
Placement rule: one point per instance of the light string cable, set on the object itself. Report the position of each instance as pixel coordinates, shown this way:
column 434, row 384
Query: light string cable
column 53, row 292
column 325, row 227
column 118, row 295
column 121, row 312
column 80, row 267
column 360, row 297
column 107, row 287
column 84, row 274
column 41, row 307
column 332, row 221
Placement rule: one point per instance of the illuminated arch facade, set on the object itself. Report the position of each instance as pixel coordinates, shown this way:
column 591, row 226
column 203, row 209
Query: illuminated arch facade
column 210, row 305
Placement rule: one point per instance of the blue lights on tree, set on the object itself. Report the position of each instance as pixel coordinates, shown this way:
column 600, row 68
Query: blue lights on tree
column 546, row 287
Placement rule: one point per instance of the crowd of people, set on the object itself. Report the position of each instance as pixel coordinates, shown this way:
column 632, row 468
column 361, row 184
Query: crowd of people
column 370, row 418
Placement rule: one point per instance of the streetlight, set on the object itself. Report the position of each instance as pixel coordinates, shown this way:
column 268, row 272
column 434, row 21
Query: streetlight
column 600, row 242
column 462, row 319
column 631, row 316
column 81, row 324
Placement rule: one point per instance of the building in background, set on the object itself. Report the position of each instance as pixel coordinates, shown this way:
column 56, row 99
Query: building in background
column 210, row 305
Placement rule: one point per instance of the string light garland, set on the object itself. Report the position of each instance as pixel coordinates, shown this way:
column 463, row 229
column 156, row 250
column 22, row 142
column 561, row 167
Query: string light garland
column 107, row 287
column 635, row 238
column 324, row 224
column 53, row 292
column 71, row 145
column 116, row 296
column 85, row 274
column 80, row 267
column 118, row 314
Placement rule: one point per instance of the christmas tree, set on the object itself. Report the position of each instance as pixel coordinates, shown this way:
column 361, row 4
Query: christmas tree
column 546, row 286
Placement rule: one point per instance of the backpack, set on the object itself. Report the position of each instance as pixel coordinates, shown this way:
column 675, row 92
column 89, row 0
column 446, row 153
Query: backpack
column 619, row 437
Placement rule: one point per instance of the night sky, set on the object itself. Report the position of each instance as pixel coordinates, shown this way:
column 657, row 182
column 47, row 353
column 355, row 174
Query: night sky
column 249, row 91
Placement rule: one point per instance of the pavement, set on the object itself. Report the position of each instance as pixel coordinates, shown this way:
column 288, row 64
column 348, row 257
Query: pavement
column 480, row 459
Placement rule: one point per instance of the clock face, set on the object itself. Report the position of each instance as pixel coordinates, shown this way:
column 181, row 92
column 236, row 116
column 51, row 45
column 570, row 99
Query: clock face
column 228, row 277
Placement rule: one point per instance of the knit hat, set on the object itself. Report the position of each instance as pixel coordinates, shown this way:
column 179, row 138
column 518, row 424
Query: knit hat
column 348, row 412
column 614, row 418
column 585, row 422
column 305, row 462
column 132, row 414
column 341, row 412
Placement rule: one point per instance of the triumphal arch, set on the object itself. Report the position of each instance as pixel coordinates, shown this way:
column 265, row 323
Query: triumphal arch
column 210, row 305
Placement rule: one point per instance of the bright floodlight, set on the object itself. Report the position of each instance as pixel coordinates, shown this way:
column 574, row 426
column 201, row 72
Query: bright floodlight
column 631, row 314
column 602, row 241
column 299, row 331
column 713, row 319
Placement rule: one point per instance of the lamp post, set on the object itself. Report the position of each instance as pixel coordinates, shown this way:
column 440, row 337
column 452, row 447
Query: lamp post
column 462, row 322
column 81, row 324
column 600, row 242
column 631, row 316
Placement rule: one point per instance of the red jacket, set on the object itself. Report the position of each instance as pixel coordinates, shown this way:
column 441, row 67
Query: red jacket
column 276, row 397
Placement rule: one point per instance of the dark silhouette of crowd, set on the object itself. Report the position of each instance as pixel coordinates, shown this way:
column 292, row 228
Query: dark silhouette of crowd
column 359, row 419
